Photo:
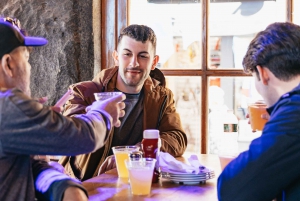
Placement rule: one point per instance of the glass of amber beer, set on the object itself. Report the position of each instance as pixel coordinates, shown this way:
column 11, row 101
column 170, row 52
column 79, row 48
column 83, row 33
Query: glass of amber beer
column 256, row 110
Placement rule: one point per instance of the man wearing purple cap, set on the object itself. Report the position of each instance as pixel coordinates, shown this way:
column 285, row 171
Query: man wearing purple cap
column 29, row 128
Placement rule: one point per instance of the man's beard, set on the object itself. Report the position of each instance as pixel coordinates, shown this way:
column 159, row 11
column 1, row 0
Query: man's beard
column 129, row 81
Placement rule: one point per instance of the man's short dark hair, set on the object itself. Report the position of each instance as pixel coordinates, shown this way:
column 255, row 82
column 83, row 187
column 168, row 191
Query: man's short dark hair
column 139, row 33
column 276, row 48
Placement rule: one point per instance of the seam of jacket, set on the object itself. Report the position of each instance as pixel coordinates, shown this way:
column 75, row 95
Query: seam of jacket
column 161, row 112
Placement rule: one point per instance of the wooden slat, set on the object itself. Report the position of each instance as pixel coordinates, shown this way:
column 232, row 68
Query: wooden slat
column 220, row 73
column 289, row 9
column 97, row 9
column 204, row 89
column 122, row 16
column 108, row 30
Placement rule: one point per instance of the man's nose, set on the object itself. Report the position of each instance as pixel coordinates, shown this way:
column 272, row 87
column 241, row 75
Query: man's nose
column 134, row 61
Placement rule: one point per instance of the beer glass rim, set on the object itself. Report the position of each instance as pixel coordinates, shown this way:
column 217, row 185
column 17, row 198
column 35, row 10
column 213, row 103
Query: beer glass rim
column 125, row 146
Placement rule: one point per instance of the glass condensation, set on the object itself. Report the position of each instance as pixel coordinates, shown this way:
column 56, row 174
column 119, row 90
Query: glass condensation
column 230, row 93
column 232, row 25
column 178, row 31
column 188, row 104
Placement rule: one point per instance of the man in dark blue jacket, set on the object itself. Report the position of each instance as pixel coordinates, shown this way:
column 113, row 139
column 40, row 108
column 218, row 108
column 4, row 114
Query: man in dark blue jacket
column 270, row 169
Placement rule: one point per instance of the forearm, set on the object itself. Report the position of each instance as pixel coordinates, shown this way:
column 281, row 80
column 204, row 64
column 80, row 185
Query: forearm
column 262, row 172
column 51, row 184
column 64, row 136
column 173, row 137
column 173, row 142
column 64, row 190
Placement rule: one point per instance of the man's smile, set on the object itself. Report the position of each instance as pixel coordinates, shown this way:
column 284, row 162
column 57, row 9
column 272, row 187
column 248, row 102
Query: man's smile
column 133, row 71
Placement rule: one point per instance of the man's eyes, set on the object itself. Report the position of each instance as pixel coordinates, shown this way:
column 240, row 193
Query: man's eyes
column 143, row 56
column 140, row 55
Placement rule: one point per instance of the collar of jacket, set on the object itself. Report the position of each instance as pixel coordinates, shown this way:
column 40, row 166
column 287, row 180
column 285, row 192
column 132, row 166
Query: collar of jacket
column 287, row 95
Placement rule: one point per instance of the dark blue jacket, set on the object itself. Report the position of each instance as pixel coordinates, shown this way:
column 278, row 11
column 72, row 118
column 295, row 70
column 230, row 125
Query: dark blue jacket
column 271, row 167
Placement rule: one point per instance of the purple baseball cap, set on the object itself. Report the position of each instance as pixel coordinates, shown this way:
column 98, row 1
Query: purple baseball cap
column 11, row 37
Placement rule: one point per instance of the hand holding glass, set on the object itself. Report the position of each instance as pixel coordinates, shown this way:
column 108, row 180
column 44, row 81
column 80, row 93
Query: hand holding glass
column 255, row 116
column 111, row 102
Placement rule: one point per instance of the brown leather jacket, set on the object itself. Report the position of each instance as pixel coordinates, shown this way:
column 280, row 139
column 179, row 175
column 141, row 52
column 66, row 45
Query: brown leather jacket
column 159, row 113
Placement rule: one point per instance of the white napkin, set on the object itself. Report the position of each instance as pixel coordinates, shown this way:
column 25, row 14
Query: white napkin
column 168, row 163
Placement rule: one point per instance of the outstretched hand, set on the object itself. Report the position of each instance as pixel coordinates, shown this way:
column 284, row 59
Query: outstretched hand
column 113, row 106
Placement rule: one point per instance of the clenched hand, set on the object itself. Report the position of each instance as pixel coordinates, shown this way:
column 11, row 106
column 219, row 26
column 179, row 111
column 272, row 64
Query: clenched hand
column 113, row 106
column 108, row 164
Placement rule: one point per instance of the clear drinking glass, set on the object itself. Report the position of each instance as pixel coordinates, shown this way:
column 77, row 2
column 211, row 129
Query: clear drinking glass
column 121, row 154
column 105, row 95
column 140, row 175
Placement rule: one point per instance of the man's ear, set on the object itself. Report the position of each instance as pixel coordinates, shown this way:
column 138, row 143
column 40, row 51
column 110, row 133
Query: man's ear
column 263, row 74
column 115, row 57
column 8, row 71
column 155, row 61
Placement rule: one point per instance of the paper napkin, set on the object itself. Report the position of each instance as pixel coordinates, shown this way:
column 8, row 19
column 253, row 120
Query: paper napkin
column 168, row 163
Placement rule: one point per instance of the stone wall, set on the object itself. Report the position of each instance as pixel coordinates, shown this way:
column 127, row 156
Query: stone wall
column 69, row 56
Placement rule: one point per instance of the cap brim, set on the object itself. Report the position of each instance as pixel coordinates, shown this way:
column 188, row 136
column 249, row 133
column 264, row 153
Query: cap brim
column 35, row 41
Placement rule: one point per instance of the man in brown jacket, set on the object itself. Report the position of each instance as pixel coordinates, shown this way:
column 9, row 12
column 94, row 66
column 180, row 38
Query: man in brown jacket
column 149, row 104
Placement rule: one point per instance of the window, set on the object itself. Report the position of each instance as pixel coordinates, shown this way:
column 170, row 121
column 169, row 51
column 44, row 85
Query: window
column 201, row 46
column 178, row 31
column 187, row 91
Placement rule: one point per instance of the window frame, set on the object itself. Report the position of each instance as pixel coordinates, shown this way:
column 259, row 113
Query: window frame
column 115, row 17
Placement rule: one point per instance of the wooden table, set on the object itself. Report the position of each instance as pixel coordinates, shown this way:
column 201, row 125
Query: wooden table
column 109, row 187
